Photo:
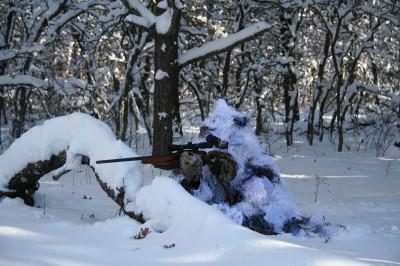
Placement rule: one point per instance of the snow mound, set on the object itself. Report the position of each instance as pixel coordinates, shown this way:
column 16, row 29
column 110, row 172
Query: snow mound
column 165, row 205
column 202, row 234
column 77, row 134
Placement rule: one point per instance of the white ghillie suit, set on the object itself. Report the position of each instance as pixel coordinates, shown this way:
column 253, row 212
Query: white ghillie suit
column 262, row 202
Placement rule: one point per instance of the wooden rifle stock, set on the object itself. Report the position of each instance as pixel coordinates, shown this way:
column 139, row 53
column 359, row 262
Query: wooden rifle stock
column 166, row 162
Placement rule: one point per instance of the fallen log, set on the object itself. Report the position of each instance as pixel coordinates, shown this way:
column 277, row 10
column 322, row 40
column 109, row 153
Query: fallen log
column 25, row 183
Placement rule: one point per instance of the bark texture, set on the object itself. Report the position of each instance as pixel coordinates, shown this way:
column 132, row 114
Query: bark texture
column 25, row 183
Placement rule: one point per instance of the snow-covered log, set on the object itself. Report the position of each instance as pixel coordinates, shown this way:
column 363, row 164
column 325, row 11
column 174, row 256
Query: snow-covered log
column 61, row 143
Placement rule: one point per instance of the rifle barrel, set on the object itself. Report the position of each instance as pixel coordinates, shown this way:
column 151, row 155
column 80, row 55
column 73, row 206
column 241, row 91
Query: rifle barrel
column 164, row 157
column 175, row 151
column 120, row 160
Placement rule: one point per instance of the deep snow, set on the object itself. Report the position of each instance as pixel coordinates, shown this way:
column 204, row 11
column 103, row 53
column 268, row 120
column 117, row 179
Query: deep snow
column 79, row 226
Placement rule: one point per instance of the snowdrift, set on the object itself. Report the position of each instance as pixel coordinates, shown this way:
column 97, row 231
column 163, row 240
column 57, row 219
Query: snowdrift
column 197, row 233
column 203, row 235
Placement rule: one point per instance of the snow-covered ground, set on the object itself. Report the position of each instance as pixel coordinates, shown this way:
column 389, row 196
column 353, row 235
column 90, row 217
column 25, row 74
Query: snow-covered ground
column 357, row 190
column 80, row 225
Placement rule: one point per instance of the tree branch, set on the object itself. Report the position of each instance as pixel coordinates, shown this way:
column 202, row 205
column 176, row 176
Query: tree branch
column 140, row 14
column 23, row 80
column 221, row 45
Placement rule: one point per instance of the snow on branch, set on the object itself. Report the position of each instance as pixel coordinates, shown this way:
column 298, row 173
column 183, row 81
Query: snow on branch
column 7, row 54
column 217, row 46
column 23, row 80
column 51, row 16
column 141, row 15
column 28, row 80
column 53, row 8
column 77, row 9
column 143, row 11
column 137, row 20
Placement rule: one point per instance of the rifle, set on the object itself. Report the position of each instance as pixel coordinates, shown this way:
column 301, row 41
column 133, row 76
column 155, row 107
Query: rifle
column 170, row 160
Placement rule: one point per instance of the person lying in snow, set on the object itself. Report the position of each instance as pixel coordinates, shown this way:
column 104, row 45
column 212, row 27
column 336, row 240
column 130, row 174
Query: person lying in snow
column 242, row 180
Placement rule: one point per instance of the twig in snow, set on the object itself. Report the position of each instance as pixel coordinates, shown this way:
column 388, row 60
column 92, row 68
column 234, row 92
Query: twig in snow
column 44, row 204
column 142, row 233
column 169, row 246
column 317, row 183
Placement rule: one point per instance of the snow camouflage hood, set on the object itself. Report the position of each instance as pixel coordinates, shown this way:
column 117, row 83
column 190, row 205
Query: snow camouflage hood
column 264, row 204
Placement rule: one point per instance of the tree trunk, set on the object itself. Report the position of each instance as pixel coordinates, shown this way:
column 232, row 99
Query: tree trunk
column 317, row 91
column 332, row 126
column 19, row 120
column 339, row 119
column 225, row 73
column 259, row 107
column 311, row 115
column 321, row 116
column 289, row 77
column 143, row 102
column 166, row 119
column 116, row 116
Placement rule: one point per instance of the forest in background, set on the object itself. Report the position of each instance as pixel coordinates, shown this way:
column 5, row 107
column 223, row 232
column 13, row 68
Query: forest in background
column 318, row 68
